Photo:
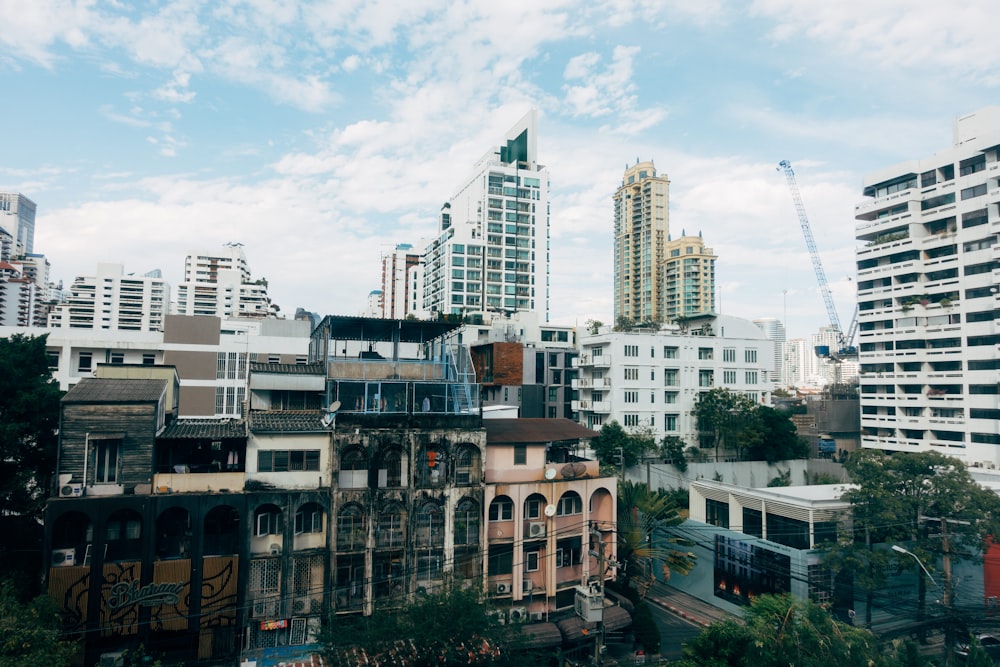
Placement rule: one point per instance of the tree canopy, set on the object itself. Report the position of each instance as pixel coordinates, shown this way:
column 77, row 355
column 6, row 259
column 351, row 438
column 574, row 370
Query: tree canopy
column 779, row 630
column 643, row 516
column 451, row 626
column 30, row 632
column 29, row 417
column 731, row 422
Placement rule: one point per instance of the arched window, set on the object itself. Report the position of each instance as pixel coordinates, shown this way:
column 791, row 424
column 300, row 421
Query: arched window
column 534, row 505
column 309, row 519
column 350, row 528
column 268, row 520
column 432, row 469
column 353, row 469
column 173, row 533
column 466, row 465
column 570, row 503
column 502, row 509
column 467, row 522
column 72, row 533
column 222, row 528
column 390, row 471
column 430, row 526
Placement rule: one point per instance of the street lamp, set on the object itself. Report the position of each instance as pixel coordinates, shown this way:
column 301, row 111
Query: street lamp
column 896, row 547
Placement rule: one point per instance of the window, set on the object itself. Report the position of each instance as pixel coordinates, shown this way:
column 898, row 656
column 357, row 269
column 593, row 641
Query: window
column 975, row 191
column 309, row 520
column 631, row 397
column 704, row 353
column 107, row 461
column 717, row 513
column 669, row 352
column 670, row 422
column 729, row 355
column 570, row 503
column 631, row 419
column 148, row 359
column 670, row 377
column 116, row 358
column 750, row 356
column 751, row 377
column 631, row 350
column 631, row 373
column 533, row 508
column 269, row 521
column 670, row 397
column 283, row 460
column 520, row 455
column 728, row 377
column 502, row 509
column 85, row 363
column 706, row 378
column 531, row 561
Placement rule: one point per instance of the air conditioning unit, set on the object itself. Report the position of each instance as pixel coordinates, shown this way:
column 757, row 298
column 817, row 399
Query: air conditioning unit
column 63, row 557
column 503, row 589
column 275, row 549
column 71, row 490
column 518, row 614
column 538, row 616
column 536, row 529
column 527, row 585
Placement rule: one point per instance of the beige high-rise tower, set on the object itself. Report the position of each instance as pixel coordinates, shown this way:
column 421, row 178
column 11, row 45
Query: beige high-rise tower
column 640, row 243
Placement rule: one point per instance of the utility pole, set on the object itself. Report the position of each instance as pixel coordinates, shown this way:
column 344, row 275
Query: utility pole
column 621, row 462
column 599, row 554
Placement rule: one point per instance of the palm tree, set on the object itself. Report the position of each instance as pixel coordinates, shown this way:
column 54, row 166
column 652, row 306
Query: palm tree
column 641, row 513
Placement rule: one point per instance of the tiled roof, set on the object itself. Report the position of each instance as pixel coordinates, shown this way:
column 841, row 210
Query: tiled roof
column 286, row 421
column 534, row 431
column 216, row 429
column 115, row 390
column 288, row 369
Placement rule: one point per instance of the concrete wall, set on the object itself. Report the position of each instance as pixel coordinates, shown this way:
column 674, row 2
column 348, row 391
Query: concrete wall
column 753, row 474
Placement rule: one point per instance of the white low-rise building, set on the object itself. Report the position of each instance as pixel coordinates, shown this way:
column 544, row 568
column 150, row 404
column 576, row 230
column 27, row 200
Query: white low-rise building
column 645, row 378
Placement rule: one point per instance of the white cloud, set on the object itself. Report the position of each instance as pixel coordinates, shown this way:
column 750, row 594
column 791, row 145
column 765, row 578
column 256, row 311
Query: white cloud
column 176, row 91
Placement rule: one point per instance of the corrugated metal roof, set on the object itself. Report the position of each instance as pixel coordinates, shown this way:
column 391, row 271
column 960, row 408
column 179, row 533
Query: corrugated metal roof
column 115, row 390
column 216, row 429
column 534, row 431
column 286, row 421
column 540, row 635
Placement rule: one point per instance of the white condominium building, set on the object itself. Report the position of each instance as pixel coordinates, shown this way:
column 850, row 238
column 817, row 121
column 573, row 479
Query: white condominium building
column 396, row 281
column 928, row 277
column 114, row 301
column 491, row 254
column 218, row 283
column 645, row 378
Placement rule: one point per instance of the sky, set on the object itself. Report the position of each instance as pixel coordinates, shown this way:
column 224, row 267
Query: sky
column 322, row 134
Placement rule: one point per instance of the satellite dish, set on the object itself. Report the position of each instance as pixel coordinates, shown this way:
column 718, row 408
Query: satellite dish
column 550, row 510
column 550, row 473
column 331, row 415
column 333, row 407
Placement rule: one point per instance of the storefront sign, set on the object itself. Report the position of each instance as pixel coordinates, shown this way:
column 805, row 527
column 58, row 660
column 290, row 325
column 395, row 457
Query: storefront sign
column 274, row 625
column 126, row 593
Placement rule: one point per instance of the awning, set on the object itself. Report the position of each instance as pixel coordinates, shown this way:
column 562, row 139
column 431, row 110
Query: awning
column 541, row 635
column 616, row 618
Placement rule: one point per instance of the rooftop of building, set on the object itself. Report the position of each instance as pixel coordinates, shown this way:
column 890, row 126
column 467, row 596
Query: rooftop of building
column 286, row 421
column 201, row 429
column 527, row 431
column 115, row 390
column 371, row 329
column 288, row 369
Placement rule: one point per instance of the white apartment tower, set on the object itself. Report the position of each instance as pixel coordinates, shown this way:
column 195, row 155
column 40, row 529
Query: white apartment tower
column 491, row 254
column 114, row 301
column 928, row 278
column 396, row 277
column 645, row 378
column 217, row 283
column 774, row 330
column 640, row 244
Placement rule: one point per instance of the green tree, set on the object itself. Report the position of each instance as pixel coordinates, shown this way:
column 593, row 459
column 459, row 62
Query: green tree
column 725, row 420
column 613, row 438
column 451, row 626
column 672, row 449
column 30, row 632
column 775, row 437
column 29, row 417
column 778, row 631
column 643, row 543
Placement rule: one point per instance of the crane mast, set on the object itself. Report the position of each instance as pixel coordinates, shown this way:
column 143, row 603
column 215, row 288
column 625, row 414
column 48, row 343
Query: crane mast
column 824, row 286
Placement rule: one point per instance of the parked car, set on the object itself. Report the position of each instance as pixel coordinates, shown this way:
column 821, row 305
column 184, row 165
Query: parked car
column 990, row 644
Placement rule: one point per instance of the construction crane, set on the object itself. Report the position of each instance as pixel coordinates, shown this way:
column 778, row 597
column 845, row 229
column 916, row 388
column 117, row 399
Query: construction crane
column 845, row 342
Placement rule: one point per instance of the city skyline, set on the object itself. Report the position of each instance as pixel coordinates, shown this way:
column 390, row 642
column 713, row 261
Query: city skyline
column 322, row 136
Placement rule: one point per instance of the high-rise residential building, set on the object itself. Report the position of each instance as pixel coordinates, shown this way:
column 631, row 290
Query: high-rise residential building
column 774, row 330
column 796, row 363
column 491, row 254
column 17, row 216
column 928, row 281
column 640, row 243
column 114, row 301
column 18, row 296
column 688, row 278
column 396, row 276
column 218, row 283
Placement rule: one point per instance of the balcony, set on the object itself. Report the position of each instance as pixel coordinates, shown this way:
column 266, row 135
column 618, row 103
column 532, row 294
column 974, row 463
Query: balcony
column 196, row 482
